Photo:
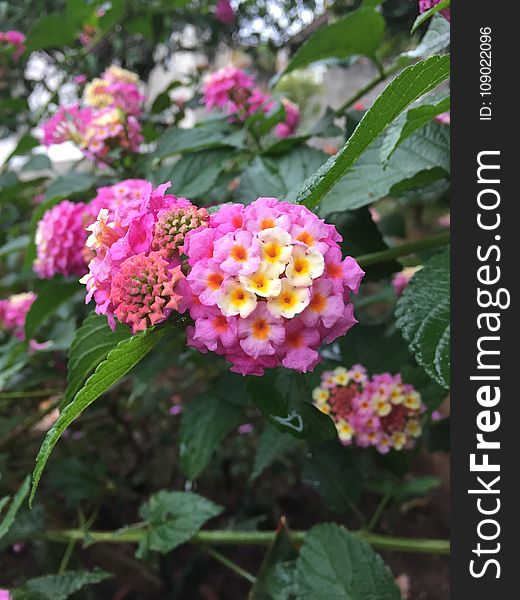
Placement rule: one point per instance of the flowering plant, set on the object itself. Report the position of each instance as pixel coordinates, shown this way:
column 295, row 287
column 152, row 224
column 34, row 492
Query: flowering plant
column 237, row 258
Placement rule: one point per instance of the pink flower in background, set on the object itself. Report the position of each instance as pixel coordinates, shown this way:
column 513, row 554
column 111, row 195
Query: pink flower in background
column 292, row 118
column 444, row 221
column 246, row 429
column 116, row 88
column 227, row 88
column 80, row 79
column 69, row 123
column 110, row 129
column 13, row 311
column 375, row 214
column 381, row 411
column 60, row 240
column 401, row 280
column 444, row 118
column 224, row 12
column 15, row 39
column 131, row 277
column 5, row 595
column 108, row 121
column 233, row 91
column 264, row 297
column 425, row 5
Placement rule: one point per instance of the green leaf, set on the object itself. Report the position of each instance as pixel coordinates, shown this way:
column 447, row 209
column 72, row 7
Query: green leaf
column 27, row 525
column 25, row 144
column 362, row 236
column 114, row 15
column 37, row 162
column 335, row 563
column 272, row 446
column 204, row 424
column 325, row 126
column 426, row 152
column 423, row 314
column 412, row 83
column 92, row 342
column 117, row 364
column 58, row 587
column 77, row 479
column 442, row 5
column 72, row 182
column 274, row 580
column 411, row 121
column 195, row 174
column 14, row 507
column 435, row 40
column 281, row 175
column 173, row 518
column 333, row 472
column 211, row 134
column 52, row 31
column 50, row 296
column 284, row 400
column 359, row 33
column 14, row 245
column 376, row 347
column 404, row 491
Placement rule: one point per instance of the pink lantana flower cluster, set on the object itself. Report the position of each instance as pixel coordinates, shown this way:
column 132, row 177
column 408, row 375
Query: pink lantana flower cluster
column 401, row 280
column 61, row 233
column 135, row 274
column 267, row 286
column 14, row 39
column 380, row 411
column 107, row 121
column 233, row 91
column 425, row 5
column 116, row 88
column 60, row 240
column 13, row 311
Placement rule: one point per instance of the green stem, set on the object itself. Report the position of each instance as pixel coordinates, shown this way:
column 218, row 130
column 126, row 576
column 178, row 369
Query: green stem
column 27, row 394
column 382, row 75
column 66, row 556
column 247, row 538
column 230, row 564
column 366, row 260
column 378, row 512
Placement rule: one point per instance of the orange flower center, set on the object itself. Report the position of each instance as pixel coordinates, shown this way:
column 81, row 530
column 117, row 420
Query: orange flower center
column 334, row 270
column 306, row 238
column 215, row 281
column 318, row 303
column 295, row 339
column 267, row 223
column 220, row 324
column 239, row 253
column 261, row 329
